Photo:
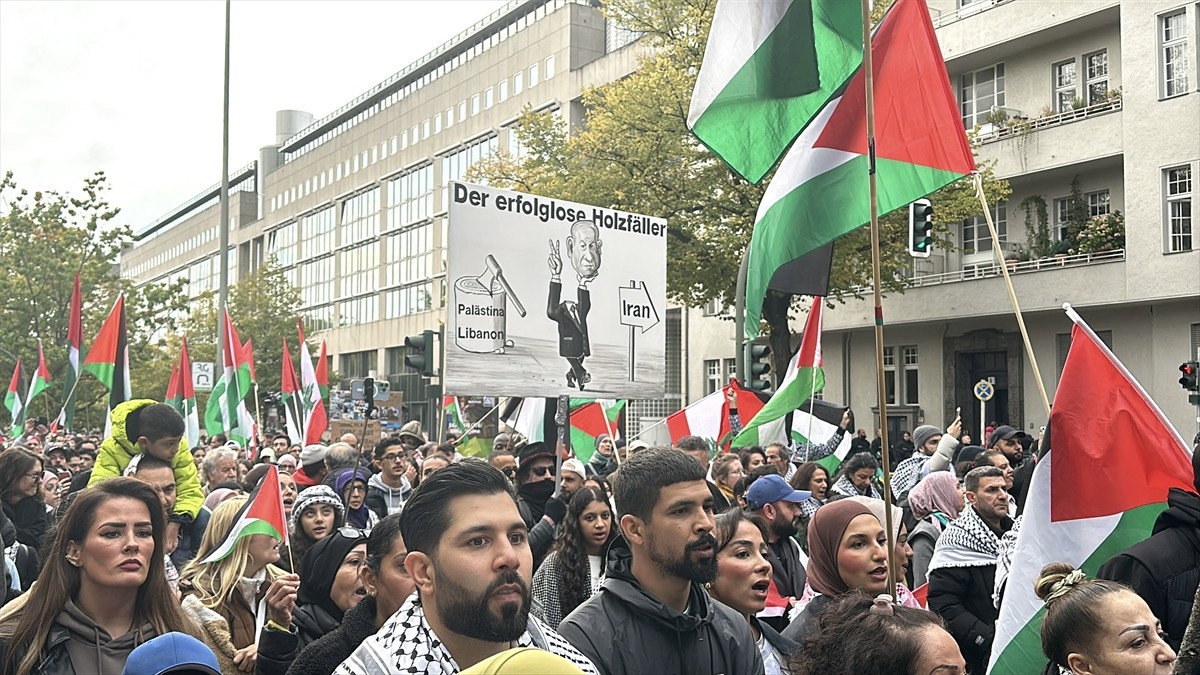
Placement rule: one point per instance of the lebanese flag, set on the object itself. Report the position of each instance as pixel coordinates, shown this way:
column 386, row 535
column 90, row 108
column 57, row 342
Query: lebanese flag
column 820, row 190
column 312, row 400
column 802, row 380
column 709, row 417
column 1097, row 492
column 182, row 396
column 289, row 391
column 590, row 419
column 108, row 359
column 12, row 401
column 261, row 514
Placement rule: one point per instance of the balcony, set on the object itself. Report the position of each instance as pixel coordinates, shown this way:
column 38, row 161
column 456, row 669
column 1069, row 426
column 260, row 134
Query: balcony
column 981, row 33
column 1014, row 268
column 941, row 19
column 1021, row 144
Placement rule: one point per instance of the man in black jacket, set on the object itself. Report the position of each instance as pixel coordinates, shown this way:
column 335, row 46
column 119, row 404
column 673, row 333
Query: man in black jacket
column 779, row 504
column 962, row 572
column 652, row 614
column 1165, row 569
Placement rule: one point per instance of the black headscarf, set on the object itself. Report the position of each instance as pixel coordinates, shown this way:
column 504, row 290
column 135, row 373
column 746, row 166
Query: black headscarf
column 319, row 568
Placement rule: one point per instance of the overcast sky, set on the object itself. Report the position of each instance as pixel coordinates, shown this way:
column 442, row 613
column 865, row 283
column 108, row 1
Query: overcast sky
column 134, row 88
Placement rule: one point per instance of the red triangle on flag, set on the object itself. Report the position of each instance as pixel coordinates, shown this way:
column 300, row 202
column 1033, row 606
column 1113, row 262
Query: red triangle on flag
column 916, row 112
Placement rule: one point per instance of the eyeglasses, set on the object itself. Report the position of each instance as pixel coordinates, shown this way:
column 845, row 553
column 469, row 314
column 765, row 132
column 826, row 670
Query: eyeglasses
column 36, row 476
column 392, row 457
column 352, row 532
column 543, row 470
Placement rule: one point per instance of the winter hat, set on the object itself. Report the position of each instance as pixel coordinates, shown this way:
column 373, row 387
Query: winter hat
column 345, row 477
column 531, row 451
column 412, row 430
column 311, row 454
column 287, row 462
column 600, row 439
column 172, row 653
column 923, row 433
column 317, row 494
column 574, row 466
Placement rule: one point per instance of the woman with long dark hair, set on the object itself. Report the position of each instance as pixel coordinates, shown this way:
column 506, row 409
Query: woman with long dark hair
column 21, row 474
column 574, row 567
column 316, row 513
column 814, row 479
column 857, row 478
column 102, row 591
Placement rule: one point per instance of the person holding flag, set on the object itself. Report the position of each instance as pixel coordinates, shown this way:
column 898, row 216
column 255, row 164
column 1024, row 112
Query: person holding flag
column 242, row 602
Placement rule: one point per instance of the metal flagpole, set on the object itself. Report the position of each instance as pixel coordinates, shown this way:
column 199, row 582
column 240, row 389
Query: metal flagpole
column 881, row 390
column 224, row 238
column 1012, row 294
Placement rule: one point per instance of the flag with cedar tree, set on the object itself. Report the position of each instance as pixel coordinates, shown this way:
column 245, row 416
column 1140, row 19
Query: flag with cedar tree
column 290, row 393
column 312, row 396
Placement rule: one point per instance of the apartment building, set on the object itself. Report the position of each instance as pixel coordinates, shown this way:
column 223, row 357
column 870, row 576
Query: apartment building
column 352, row 205
column 1100, row 93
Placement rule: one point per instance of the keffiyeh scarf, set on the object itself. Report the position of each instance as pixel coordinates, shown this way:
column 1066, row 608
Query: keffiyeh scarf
column 966, row 542
column 407, row 644
column 908, row 474
column 845, row 488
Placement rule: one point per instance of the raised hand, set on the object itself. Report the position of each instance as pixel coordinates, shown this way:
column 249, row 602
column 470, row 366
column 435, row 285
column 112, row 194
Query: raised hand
column 555, row 260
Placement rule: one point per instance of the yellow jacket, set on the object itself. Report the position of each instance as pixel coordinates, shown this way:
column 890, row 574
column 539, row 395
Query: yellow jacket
column 118, row 450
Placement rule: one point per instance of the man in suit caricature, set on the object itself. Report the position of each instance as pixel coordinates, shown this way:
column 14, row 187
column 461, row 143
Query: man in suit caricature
column 583, row 247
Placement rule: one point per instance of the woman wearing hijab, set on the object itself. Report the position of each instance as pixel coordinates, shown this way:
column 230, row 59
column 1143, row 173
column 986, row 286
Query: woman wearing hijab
column 351, row 486
column 901, row 550
column 847, row 551
column 331, row 583
column 935, row 501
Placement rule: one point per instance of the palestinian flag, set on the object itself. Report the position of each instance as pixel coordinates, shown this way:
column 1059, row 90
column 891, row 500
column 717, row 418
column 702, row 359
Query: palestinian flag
column 312, row 399
column 261, row 514
column 290, row 392
column 108, row 359
column 820, row 190
column 322, row 372
column 709, row 417
column 182, row 396
column 41, row 378
column 803, row 379
column 1106, row 428
column 528, row 417
column 768, row 68
column 12, row 401
column 590, row 419
column 818, row 427
column 226, row 410
column 452, row 415
column 66, row 418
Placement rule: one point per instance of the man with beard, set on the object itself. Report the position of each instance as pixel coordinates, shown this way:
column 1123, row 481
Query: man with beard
column 652, row 614
column 469, row 557
column 779, row 504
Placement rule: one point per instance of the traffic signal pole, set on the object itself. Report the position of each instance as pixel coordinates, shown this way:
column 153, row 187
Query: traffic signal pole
column 739, row 317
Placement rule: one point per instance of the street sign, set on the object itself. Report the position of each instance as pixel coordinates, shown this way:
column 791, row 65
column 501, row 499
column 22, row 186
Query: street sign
column 551, row 298
column 202, row 375
column 984, row 390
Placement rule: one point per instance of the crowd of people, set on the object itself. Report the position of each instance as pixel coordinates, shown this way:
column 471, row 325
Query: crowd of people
column 402, row 556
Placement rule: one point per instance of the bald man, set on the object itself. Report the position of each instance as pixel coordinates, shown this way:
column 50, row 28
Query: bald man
column 584, row 248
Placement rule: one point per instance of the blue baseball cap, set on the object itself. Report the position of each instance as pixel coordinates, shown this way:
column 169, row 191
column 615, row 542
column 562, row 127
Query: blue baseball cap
column 172, row 653
column 773, row 488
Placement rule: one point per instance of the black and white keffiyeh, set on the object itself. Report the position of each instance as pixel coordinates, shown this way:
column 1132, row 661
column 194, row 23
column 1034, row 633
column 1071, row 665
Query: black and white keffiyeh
column 966, row 542
column 907, row 474
column 844, row 488
column 407, row 644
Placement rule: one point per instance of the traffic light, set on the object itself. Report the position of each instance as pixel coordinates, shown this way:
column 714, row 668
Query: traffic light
column 420, row 356
column 758, row 367
column 1189, row 380
column 920, row 228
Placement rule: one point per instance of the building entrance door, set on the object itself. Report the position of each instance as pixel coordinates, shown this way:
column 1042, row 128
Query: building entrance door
column 973, row 367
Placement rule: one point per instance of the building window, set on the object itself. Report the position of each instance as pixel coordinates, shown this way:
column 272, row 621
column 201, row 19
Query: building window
column 449, row 117
column 437, row 124
column 1097, row 77
column 316, row 233
column 1173, row 37
column 409, row 256
column 714, row 307
column 359, row 364
column 1062, row 214
column 410, row 198
column 975, row 235
column 408, row 300
column 548, row 68
column 425, row 129
column 360, row 217
column 1179, row 208
column 909, row 362
column 281, row 244
column 503, row 87
column 475, row 105
column 316, row 282
column 1099, row 203
column 533, row 76
column 358, row 269
column 455, row 166
column 712, row 375
column 358, row 311
column 1064, row 86
column 517, row 83
column 489, row 97
column 979, row 92
column 889, row 374
column 1062, row 344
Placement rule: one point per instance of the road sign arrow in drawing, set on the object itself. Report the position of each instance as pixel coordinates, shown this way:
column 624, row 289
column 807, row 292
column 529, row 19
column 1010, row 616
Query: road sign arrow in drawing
column 637, row 309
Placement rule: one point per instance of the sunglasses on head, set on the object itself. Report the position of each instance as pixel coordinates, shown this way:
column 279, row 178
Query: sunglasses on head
column 352, row 532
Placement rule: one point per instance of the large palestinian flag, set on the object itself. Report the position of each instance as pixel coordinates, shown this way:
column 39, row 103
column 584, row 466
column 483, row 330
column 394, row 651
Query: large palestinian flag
column 589, row 420
column 261, row 514
column 1114, row 456
column 820, row 190
column 709, row 417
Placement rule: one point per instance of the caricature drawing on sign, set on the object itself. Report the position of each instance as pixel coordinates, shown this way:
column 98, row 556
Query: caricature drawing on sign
column 482, row 312
column 584, row 248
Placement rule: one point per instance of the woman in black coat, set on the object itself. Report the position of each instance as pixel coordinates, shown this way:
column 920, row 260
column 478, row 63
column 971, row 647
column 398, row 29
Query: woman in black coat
column 21, row 495
column 330, row 584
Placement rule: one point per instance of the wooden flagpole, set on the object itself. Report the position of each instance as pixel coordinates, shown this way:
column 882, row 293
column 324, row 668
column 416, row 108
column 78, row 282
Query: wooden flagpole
column 881, row 390
column 1012, row 294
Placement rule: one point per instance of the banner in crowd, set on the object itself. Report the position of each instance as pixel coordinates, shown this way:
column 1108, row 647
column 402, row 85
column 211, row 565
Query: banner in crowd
column 551, row 298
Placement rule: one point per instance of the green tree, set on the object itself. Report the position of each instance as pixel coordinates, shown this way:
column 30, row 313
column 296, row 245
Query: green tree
column 46, row 238
column 636, row 154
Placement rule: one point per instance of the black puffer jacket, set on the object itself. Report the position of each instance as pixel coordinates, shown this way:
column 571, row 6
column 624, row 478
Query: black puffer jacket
column 963, row 597
column 1165, row 569
column 623, row 629
column 313, row 622
column 325, row 655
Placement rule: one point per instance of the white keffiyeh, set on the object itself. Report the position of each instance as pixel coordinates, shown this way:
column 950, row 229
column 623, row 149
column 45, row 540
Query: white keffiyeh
column 844, row 488
column 966, row 542
column 407, row 644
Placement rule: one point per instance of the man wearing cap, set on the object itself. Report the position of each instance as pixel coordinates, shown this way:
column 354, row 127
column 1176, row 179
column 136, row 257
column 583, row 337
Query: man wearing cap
column 410, row 435
column 312, row 466
column 535, row 486
column 934, row 450
column 1007, row 440
column 779, row 504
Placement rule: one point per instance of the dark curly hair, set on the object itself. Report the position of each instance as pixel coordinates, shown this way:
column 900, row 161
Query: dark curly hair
column 572, row 555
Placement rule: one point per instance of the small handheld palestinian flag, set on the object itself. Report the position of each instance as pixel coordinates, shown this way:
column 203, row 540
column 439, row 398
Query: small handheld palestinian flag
column 261, row 514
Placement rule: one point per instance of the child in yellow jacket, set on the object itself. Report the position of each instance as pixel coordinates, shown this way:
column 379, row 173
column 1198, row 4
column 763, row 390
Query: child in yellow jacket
column 156, row 429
